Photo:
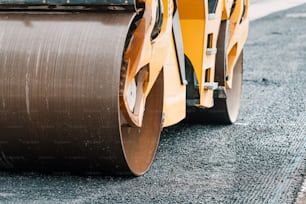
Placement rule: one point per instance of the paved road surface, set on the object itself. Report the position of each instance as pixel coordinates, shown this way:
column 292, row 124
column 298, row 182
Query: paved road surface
column 261, row 159
column 261, row 8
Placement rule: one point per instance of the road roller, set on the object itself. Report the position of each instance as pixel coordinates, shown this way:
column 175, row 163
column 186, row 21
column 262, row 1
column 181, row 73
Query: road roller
column 86, row 86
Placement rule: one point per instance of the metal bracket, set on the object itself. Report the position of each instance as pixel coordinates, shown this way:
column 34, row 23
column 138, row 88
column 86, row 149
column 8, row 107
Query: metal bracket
column 212, row 16
column 220, row 92
column 210, row 85
column 179, row 47
column 211, row 51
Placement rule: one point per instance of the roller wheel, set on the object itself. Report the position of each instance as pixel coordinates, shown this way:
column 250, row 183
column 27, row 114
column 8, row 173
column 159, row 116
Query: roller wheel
column 140, row 143
column 226, row 109
column 60, row 93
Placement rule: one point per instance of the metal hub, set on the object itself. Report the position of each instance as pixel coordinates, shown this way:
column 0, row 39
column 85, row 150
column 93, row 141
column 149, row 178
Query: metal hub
column 131, row 95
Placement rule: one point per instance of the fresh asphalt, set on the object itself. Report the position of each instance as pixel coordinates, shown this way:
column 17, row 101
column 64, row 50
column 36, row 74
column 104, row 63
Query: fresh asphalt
column 260, row 159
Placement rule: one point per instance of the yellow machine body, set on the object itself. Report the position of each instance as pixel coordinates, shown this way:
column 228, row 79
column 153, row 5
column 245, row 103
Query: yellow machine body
column 200, row 30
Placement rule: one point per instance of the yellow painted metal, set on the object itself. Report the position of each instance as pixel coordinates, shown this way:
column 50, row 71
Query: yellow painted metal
column 200, row 31
column 239, row 27
column 155, row 55
column 175, row 92
column 199, row 27
column 145, row 53
column 197, row 24
column 227, row 7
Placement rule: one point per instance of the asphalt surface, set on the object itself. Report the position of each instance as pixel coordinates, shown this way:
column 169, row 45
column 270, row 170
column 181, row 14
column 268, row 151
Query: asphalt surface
column 261, row 8
column 260, row 159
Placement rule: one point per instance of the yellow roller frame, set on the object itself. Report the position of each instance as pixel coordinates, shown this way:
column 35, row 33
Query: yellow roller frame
column 146, row 58
column 151, row 56
column 200, row 33
column 239, row 27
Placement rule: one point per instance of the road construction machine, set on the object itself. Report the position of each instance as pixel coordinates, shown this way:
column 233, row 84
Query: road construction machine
column 86, row 86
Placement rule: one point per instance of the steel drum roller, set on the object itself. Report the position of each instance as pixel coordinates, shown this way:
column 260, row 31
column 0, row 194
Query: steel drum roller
column 59, row 92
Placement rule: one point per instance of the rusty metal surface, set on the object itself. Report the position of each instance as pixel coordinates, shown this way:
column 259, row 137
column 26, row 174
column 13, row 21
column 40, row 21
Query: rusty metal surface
column 59, row 84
